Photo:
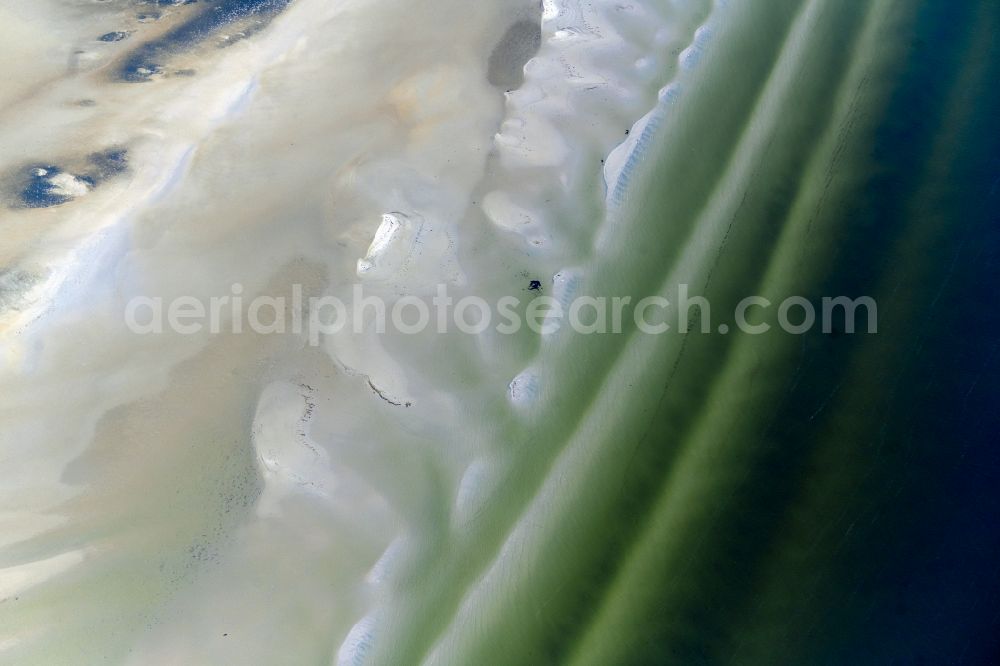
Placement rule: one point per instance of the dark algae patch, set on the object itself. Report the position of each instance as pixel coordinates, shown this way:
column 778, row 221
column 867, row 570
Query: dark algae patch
column 108, row 164
column 147, row 60
column 41, row 191
column 116, row 36
column 43, row 185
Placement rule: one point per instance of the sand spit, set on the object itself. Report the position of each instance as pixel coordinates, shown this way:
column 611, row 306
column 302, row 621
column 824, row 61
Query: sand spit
column 200, row 486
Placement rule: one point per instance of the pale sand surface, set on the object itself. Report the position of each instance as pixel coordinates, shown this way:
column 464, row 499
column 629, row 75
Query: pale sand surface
column 227, row 497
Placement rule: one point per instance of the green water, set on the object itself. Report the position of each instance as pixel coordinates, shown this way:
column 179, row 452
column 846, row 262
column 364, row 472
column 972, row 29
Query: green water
column 812, row 499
